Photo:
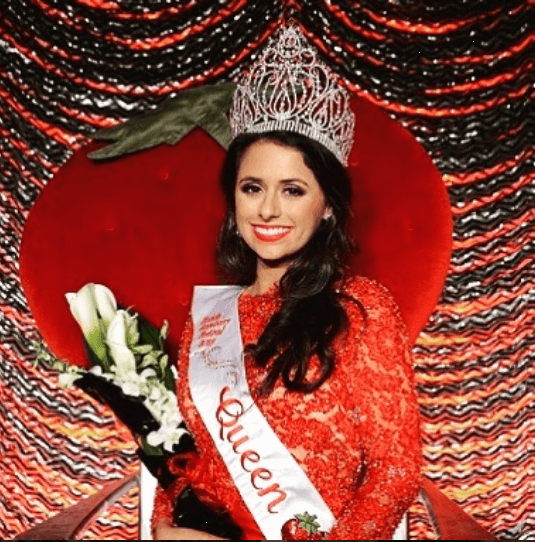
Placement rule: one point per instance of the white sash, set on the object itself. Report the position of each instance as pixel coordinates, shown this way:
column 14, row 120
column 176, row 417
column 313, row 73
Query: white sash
column 270, row 481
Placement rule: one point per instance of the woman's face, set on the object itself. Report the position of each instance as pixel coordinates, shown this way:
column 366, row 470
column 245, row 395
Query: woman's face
column 279, row 202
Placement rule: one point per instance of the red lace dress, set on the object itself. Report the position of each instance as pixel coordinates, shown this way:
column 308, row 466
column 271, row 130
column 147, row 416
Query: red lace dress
column 356, row 437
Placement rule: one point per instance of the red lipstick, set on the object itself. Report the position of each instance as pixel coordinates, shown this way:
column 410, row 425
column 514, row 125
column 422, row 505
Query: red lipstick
column 270, row 234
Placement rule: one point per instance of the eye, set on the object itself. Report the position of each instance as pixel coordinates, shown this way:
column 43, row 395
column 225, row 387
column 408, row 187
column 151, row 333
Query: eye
column 294, row 190
column 249, row 188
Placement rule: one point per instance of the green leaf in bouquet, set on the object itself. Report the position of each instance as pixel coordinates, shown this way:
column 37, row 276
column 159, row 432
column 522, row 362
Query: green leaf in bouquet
column 69, row 373
column 42, row 354
column 148, row 334
column 163, row 363
column 96, row 359
column 96, row 348
column 169, row 379
column 59, row 365
column 142, row 349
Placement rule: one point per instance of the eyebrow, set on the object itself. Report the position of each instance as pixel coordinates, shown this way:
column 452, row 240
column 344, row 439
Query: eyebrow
column 283, row 181
column 288, row 181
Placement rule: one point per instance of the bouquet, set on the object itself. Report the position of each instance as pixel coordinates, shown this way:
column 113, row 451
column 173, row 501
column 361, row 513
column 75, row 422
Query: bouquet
column 129, row 369
column 130, row 372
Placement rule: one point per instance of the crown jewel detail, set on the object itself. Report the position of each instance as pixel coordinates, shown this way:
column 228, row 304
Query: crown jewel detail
column 288, row 88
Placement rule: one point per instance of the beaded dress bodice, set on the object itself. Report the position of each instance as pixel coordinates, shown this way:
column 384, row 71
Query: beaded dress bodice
column 356, row 437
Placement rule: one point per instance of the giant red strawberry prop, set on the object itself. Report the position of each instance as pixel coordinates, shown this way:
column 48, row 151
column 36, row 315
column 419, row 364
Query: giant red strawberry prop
column 146, row 226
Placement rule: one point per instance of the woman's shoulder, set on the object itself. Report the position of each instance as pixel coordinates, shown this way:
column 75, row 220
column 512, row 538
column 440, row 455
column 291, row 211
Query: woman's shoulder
column 367, row 291
column 375, row 299
column 380, row 327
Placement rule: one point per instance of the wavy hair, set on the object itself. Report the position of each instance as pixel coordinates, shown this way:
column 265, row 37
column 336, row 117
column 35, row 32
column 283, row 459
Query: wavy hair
column 311, row 314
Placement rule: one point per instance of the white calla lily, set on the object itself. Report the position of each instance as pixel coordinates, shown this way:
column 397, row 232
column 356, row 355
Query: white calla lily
column 125, row 361
column 84, row 309
column 105, row 303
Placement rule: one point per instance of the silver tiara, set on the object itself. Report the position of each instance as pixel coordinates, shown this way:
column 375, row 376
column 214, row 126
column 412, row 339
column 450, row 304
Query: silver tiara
column 288, row 88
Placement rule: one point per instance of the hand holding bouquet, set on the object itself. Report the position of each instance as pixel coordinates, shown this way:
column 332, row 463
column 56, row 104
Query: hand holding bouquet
column 131, row 374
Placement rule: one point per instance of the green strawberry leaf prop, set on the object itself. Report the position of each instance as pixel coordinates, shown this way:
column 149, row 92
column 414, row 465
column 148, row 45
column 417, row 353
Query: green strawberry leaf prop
column 171, row 121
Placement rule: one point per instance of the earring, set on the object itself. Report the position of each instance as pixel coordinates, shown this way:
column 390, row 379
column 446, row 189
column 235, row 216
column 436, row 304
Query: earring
column 330, row 218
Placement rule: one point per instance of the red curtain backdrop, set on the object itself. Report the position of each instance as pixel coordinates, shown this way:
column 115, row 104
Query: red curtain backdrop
column 458, row 76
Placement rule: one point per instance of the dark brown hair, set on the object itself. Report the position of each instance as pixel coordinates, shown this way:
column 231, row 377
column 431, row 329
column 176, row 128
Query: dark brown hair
column 311, row 314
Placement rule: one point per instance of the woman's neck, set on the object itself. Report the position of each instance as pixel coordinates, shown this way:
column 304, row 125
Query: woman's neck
column 266, row 277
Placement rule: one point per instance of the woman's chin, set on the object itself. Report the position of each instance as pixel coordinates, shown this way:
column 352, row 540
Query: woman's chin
column 278, row 262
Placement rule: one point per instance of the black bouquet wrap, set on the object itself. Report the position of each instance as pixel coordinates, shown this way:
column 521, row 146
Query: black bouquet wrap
column 188, row 511
column 130, row 410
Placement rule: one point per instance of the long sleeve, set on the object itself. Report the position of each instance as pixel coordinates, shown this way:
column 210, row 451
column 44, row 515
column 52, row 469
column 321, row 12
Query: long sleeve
column 389, row 427
column 162, row 509
column 182, row 468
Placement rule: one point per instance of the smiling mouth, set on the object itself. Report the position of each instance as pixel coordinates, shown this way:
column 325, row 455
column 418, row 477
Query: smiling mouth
column 271, row 234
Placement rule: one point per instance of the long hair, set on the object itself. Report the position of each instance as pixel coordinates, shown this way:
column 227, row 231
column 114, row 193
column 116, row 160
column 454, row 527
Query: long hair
column 311, row 314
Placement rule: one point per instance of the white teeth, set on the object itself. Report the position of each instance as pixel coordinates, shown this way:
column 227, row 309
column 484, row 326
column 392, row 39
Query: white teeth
column 270, row 231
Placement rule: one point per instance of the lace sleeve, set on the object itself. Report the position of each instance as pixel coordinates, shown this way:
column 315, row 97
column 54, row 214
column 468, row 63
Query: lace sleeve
column 389, row 422
column 162, row 509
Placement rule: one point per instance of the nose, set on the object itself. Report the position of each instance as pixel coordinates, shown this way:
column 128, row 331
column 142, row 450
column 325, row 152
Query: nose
column 269, row 206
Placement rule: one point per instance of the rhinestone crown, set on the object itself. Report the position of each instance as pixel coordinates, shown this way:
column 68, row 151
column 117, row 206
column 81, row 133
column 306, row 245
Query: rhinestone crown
column 288, row 88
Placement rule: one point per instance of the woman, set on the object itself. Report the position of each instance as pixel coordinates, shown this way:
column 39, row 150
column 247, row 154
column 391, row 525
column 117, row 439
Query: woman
column 319, row 420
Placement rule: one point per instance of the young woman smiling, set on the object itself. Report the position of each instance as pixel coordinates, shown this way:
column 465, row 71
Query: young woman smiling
column 278, row 204
column 326, row 361
column 296, row 380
